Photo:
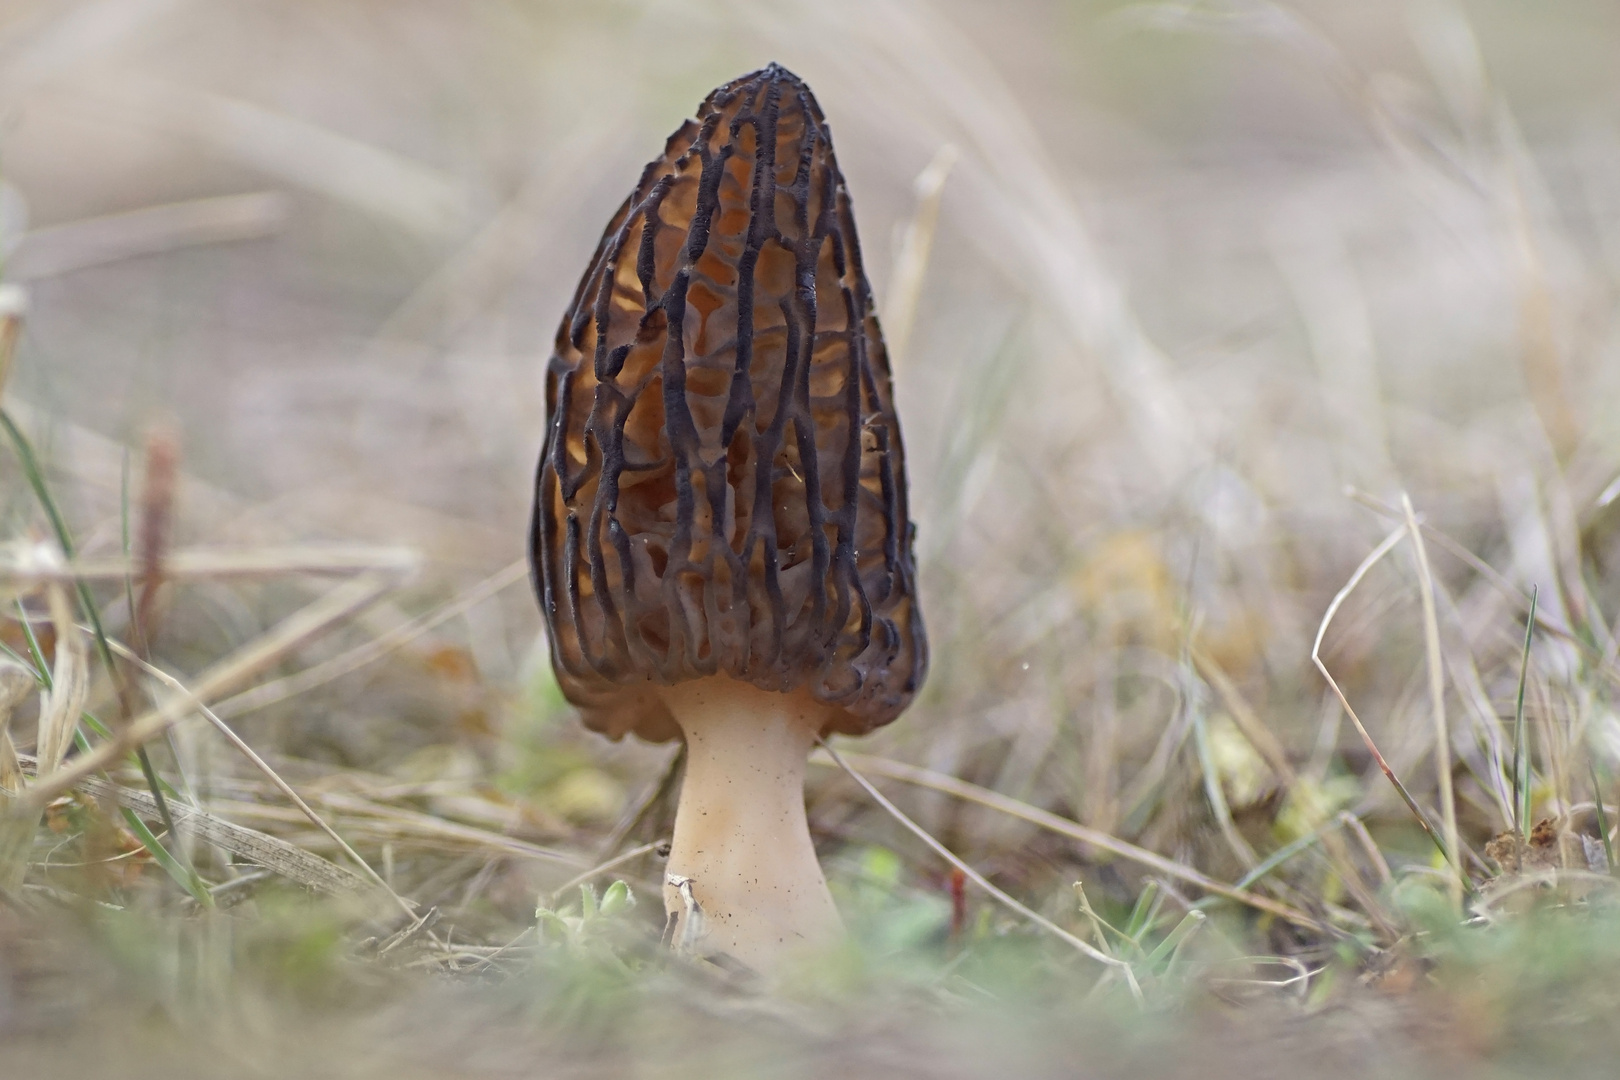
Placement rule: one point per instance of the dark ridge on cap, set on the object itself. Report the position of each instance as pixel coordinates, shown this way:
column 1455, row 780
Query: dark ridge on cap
column 723, row 487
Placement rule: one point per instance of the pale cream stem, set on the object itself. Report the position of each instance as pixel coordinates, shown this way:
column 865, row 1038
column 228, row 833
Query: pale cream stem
column 741, row 836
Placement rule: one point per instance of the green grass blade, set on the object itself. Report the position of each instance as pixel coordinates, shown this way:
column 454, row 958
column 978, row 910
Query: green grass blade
column 36, row 480
column 7, row 650
column 1286, row 852
column 184, row 876
column 42, row 670
column 138, row 632
column 1145, row 911
column 1521, row 759
column 1175, row 939
column 1602, row 816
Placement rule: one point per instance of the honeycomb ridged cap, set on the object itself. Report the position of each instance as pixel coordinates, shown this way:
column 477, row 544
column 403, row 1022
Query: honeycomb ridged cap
column 723, row 487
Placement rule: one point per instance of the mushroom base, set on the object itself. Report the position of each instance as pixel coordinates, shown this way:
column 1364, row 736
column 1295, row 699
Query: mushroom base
column 741, row 838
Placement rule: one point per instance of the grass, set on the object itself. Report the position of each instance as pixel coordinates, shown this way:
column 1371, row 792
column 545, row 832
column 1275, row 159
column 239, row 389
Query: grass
column 1204, row 347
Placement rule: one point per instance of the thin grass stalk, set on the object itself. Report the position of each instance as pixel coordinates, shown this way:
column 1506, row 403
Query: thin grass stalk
column 1369, row 847
column 1145, row 911
column 1215, row 794
column 1384, row 548
column 994, row 800
column 87, row 602
column 161, row 469
column 14, row 656
column 1602, row 816
column 1437, row 698
column 1170, row 948
column 129, row 568
column 13, row 303
column 12, row 829
column 63, row 691
column 911, row 262
column 1254, row 729
column 237, row 668
column 1373, row 558
column 1544, row 741
column 1521, row 759
column 42, row 670
column 281, row 689
column 1268, row 746
column 274, row 854
column 1286, row 852
column 181, row 872
column 21, row 826
column 1098, row 923
column 269, row 774
column 651, row 795
column 1084, row 947
column 1549, row 740
column 157, row 506
column 215, row 564
column 1487, row 726
column 1604, row 661
column 70, row 684
column 602, row 868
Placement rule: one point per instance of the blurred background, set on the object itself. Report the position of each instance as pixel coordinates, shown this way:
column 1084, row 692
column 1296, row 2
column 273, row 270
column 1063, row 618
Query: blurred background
column 1182, row 297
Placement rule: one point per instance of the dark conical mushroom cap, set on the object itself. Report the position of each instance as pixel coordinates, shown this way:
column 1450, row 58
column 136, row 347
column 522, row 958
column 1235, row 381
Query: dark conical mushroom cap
column 723, row 489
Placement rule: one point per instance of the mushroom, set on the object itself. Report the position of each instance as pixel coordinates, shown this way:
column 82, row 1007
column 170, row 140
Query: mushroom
column 721, row 543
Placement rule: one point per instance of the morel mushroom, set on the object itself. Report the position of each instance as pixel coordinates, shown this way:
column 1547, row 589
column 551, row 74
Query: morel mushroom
column 721, row 543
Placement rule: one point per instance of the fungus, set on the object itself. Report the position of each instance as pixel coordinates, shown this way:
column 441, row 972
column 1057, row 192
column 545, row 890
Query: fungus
column 721, row 543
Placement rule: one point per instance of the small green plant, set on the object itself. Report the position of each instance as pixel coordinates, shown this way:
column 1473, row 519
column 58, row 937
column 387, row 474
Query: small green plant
column 591, row 930
column 590, row 957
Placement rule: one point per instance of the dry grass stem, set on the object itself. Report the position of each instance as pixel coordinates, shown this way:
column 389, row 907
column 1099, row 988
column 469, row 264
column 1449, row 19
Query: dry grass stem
column 1214, row 793
column 961, row 789
column 59, row 710
column 338, row 605
column 1384, row 548
column 70, row 684
column 77, row 245
column 24, row 569
column 393, row 822
column 1268, row 746
column 1369, row 846
column 1519, row 597
column 980, row 880
column 1437, row 700
column 1243, row 715
column 269, row 773
column 911, row 262
column 612, row 864
column 13, row 305
column 286, row 859
column 301, row 682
